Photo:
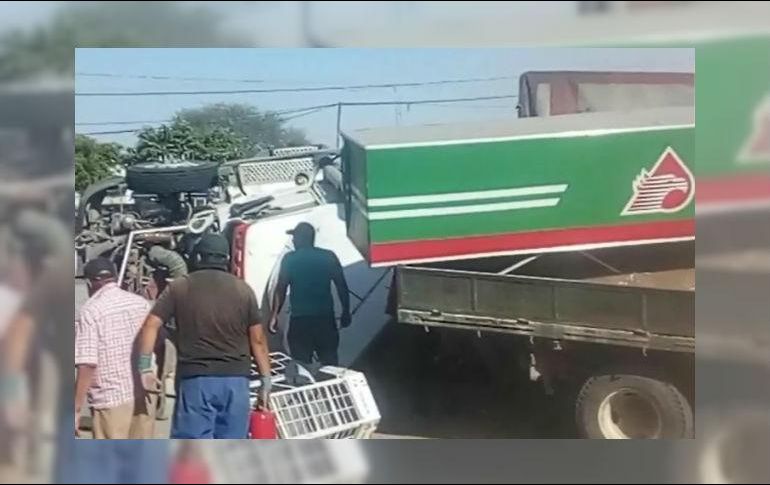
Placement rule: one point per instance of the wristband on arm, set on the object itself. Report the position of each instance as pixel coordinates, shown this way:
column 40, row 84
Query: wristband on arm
column 267, row 384
column 145, row 363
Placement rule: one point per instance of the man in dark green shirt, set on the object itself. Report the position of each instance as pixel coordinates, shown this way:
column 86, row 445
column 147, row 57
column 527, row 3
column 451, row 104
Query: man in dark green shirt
column 309, row 272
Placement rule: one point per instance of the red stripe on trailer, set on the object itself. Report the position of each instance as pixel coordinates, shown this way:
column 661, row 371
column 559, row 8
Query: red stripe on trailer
column 547, row 239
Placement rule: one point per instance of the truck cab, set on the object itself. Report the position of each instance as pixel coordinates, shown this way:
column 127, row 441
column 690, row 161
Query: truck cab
column 259, row 244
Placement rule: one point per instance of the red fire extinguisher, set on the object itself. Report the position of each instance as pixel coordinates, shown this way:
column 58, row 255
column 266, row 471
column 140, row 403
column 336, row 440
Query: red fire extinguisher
column 262, row 425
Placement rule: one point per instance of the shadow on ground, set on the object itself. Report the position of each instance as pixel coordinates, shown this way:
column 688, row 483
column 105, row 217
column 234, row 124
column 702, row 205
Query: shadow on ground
column 442, row 385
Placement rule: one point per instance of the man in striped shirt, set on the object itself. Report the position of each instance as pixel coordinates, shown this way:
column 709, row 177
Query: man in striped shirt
column 105, row 335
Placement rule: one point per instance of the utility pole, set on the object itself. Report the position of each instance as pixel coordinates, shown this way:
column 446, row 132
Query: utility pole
column 397, row 107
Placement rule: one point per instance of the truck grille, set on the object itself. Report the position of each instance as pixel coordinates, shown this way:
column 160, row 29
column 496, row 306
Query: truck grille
column 274, row 171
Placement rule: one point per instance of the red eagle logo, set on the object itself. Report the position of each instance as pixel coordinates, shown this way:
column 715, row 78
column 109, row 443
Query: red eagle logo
column 668, row 187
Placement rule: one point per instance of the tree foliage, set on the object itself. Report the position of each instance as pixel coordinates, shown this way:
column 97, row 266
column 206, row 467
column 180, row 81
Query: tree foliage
column 94, row 160
column 180, row 141
column 258, row 130
column 217, row 132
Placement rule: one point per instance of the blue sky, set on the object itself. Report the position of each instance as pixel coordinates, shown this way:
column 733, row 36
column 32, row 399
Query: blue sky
column 314, row 67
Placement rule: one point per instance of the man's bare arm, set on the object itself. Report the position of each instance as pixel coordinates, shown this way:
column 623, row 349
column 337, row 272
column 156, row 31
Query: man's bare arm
column 279, row 298
column 261, row 354
column 85, row 375
column 342, row 287
column 147, row 339
column 341, row 284
column 259, row 348
column 149, row 334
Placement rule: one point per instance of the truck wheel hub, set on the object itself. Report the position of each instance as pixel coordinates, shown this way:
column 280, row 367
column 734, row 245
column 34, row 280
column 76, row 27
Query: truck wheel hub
column 629, row 414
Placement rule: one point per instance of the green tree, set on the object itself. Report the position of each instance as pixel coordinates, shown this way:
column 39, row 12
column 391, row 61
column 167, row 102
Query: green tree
column 221, row 145
column 180, row 141
column 155, row 144
column 94, row 160
column 257, row 129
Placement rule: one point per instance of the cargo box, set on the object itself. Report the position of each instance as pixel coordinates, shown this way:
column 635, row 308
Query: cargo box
column 529, row 185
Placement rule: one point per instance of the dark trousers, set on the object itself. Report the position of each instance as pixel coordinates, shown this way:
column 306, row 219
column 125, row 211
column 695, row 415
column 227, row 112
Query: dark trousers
column 309, row 335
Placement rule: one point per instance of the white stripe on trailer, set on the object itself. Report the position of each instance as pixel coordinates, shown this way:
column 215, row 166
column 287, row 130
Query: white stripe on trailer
column 463, row 196
column 464, row 209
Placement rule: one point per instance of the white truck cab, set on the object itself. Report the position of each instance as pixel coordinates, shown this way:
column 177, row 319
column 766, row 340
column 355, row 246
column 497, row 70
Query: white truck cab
column 260, row 244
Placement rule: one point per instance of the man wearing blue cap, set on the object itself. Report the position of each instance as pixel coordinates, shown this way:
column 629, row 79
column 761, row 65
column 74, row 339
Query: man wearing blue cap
column 309, row 272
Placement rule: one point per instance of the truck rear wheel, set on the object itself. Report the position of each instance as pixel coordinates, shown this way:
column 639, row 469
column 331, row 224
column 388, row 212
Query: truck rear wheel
column 632, row 407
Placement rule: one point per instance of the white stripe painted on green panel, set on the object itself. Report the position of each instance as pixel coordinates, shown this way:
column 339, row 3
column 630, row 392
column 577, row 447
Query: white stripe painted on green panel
column 465, row 196
column 464, row 209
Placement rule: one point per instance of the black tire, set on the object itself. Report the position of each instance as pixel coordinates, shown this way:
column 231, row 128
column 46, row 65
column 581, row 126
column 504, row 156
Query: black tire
column 646, row 408
column 169, row 178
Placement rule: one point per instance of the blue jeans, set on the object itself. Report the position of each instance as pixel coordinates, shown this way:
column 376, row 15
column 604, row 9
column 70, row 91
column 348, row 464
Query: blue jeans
column 211, row 407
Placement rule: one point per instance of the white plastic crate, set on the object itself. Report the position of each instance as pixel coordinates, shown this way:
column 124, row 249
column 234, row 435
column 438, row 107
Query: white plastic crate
column 340, row 405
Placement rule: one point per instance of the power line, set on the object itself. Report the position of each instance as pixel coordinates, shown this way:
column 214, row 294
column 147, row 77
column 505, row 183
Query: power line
column 313, row 109
column 318, row 106
column 293, row 90
column 135, row 130
column 426, row 101
column 165, row 78
column 108, row 132
column 300, row 115
column 297, row 110
column 277, row 112
column 102, row 123
column 483, row 106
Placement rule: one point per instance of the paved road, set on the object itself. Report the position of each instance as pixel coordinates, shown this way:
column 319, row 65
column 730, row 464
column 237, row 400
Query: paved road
column 427, row 391
column 453, row 391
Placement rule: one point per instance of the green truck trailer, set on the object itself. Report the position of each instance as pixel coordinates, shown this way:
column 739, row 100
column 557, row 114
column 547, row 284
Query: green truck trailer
column 530, row 185
column 569, row 230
